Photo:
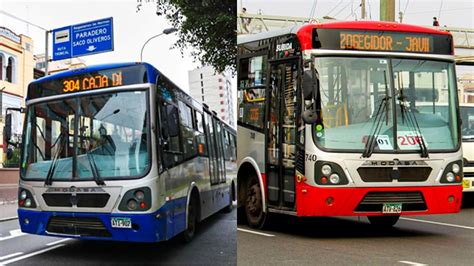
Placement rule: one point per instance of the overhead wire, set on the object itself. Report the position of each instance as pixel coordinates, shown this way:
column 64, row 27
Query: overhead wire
column 344, row 8
column 313, row 9
column 338, row 4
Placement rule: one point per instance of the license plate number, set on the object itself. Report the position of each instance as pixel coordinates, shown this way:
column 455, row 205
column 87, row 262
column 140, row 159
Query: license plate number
column 466, row 183
column 392, row 208
column 121, row 222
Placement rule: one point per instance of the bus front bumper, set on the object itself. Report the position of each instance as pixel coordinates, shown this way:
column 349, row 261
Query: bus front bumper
column 151, row 227
column 317, row 201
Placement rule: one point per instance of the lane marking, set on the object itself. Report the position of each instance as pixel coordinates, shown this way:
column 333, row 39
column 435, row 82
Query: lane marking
column 10, row 255
column 57, row 242
column 13, row 234
column 438, row 223
column 254, row 232
column 412, row 263
column 31, row 254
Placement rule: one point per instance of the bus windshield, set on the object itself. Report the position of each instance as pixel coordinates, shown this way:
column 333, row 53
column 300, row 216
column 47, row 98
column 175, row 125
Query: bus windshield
column 84, row 138
column 357, row 94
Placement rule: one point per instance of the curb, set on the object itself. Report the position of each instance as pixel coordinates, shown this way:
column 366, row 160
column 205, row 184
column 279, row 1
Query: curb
column 8, row 218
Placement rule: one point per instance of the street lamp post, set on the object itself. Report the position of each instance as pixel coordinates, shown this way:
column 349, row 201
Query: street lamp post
column 165, row 31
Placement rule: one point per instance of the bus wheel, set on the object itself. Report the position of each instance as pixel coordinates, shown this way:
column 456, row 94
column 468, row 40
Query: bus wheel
column 383, row 221
column 253, row 204
column 188, row 234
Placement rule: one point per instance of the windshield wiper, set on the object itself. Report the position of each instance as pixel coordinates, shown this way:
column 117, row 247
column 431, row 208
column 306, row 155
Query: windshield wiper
column 94, row 170
column 411, row 119
column 49, row 177
column 376, row 126
column 377, row 123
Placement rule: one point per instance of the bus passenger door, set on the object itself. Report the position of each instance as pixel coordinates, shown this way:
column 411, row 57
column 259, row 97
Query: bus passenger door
column 281, row 132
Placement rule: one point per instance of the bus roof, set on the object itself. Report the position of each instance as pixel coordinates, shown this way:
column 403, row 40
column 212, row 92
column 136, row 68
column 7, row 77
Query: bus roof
column 153, row 72
column 304, row 30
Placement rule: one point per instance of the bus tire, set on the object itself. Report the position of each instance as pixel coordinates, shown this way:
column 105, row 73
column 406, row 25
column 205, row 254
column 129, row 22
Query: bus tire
column 383, row 221
column 230, row 207
column 192, row 219
column 253, row 204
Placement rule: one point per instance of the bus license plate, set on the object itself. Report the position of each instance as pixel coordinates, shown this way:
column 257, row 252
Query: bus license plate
column 466, row 183
column 392, row 208
column 121, row 222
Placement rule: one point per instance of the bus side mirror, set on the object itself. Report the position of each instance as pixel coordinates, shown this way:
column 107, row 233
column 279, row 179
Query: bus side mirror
column 9, row 153
column 310, row 116
column 7, row 129
column 308, row 85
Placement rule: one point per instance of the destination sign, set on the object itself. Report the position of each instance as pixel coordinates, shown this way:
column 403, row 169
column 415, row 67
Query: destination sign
column 386, row 41
column 89, row 80
column 99, row 81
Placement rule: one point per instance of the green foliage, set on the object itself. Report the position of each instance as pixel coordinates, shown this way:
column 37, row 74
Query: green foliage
column 208, row 26
column 14, row 162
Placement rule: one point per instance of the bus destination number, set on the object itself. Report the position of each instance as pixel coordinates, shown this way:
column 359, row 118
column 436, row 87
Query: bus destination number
column 376, row 42
column 92, row 82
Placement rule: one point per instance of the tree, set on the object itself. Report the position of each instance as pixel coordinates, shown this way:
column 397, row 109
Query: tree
column 208, row 26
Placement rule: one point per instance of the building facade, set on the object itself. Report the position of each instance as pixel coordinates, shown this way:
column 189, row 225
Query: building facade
column 213, row 89
column 16, row 72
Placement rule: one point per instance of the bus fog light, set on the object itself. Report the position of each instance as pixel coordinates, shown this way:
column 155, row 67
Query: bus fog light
column 334, row 178
column 450, row 177
column 23, row 195
column 28, row 203
column 132, row 204
column 456, row 168
column 451, row 198
column 324, row 180
column 329, row 201
column 326, row 169
column 26, row 221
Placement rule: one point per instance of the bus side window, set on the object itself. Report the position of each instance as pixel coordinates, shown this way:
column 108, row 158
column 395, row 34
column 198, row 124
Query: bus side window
column 169, row 125
column 200, row 137
column 187, row 131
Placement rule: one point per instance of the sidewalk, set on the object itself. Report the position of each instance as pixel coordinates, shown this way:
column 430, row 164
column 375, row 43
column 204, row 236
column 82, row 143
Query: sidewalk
column 8, row 200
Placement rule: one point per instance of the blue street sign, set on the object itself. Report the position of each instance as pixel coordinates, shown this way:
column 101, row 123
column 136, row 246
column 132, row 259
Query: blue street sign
column 83, row 39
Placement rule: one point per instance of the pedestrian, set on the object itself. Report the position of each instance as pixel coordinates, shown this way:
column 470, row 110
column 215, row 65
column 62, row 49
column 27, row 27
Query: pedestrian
column 245, row 21
column 435, row 22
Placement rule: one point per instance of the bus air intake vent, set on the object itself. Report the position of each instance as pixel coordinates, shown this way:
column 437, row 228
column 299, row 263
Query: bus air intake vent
column 373, row 201
column 83, row 200
column 82, row 226
column 387, row 174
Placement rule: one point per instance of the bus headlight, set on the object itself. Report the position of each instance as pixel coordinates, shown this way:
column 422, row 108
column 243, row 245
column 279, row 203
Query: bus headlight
column 334, row 179
column 136, row 200
column 326, row 169
column 456, row 168
column 22, row 195
column 450, row 177
column 452, row 173
column 329, row 174
column 25, row 199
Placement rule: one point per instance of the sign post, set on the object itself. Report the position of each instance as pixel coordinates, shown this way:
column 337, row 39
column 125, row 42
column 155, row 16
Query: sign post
column 83, row 39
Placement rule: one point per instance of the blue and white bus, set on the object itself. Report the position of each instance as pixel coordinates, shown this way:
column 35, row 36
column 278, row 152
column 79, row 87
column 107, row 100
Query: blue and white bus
column 118, row 152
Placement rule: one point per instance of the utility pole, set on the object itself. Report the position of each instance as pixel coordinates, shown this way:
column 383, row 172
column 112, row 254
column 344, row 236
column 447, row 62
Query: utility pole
column 362, row 10
column 387, row 10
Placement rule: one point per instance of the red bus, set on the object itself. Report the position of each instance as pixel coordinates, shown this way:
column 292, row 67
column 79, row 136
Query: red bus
column 329, row 122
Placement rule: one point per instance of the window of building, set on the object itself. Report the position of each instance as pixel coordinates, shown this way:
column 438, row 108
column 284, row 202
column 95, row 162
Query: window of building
column 221, row 88
column 222, row 102
column 202, row 84
column 222, row 110
column 1, row 67
column 221, row 95
column 201, row 75
column 220, row 80
column 10, row 70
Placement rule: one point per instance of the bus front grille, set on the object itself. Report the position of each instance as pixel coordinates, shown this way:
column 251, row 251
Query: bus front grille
column 387, row 174
column 374, row 201
column 77, row 226
column 83, row 200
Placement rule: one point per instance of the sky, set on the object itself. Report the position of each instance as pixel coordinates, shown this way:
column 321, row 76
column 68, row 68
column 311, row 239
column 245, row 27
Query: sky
column 131, row 30
column 453, row 13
